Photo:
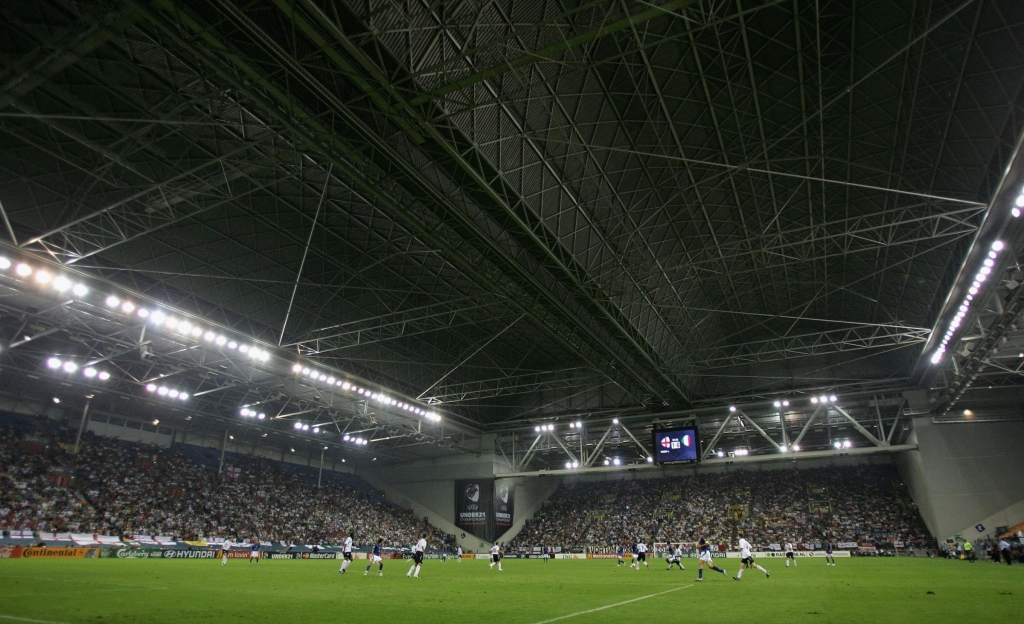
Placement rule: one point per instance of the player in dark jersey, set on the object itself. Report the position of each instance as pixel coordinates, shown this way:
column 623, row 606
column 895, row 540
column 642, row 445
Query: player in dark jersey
column 254, row 553
column 705, row 560
column 829, row 557
column 622, row 553
column 377, row 557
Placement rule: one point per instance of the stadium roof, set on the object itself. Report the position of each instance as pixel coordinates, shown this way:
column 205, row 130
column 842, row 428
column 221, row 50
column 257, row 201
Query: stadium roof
column 506, row 211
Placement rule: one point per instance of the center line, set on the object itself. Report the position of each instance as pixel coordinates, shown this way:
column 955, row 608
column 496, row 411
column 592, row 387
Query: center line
column 611, row 606
column 15, row 618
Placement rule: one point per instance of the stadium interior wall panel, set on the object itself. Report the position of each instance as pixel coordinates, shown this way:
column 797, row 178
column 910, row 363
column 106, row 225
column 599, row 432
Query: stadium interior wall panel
column 964, row 474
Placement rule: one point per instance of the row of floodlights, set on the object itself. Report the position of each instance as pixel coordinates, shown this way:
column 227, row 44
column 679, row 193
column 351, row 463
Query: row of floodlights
column 55, row 363
column 354, row 439
column 379, row 397
column 185, row 328
column 164, row 391
column 251, row 413
column 965, row 305
column 44, row 278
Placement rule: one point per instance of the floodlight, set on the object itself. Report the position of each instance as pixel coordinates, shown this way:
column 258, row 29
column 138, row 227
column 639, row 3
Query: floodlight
column 261, row 416
column 244, row 411
column 615, row 421
column 316, row 429
column 112, row 301
column 297, row 368
column 162, row 391
column 720, row 454
column 158, row 318
column 1020, row 200
column 568, row 465
column 143, row 312
column 579, row 423
column 572, row 425
column 220, row 341
column 616, row 461
column 606, row 462
column 128, row 307
column 650, row 460
column 732, row 408
column 345, row 437
column 243, row 349
column 4, row 263
column 23, row 270
column 847, row 444
column 209, row 336
column 1016, row 211
column 985, row 270
column 988, row 262
column 104, row 375
column 151, row 387
column 537, row 429
column 298, row 425
column 70, row 367
column 796, row 447
column 89, row 372
column 53, row 363
column 838, row 445
column 814, row 400
column 777, row 404
column 172, row 393
column 196, row 332
column 833, row 398
column 785, row 404
column 331, row 380
column 232, row 344
column 61, row 283
column 575, row 464
column 43, row 277
column 305, row 427
column 346, row 386
column 823, row 399
column 185, row 327
column 997, row 245
column 79, row 290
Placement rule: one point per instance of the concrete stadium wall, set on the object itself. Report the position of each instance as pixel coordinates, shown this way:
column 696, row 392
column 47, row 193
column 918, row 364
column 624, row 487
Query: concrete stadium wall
column 964, row 474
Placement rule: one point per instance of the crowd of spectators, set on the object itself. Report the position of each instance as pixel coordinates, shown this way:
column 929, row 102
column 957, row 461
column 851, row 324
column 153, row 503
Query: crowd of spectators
column 113, row 487
column 864, row 504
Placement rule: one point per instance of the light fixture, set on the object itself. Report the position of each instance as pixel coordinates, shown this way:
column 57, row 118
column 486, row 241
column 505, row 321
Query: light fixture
column 5, row 263
column 720, row 454
column 847, row 444
column 104, row 375
column 615, row 421
column 298, row 425
column 53, row 363
column 607, row 462
column 650, row 460
column 127, row 307
column 732, row 408
column 43, row 277
column 90, row 372
column 56, row 400
column 568, row 465
column 833, row 399
column 796, row 447
column 79, row 290
column 777, row 404
column 61, row 283
column 616, row 461
column 741, row 452
column 23, row 270
column 69, row 367
column 838, row 445
column 814, row 400
column 579, row 424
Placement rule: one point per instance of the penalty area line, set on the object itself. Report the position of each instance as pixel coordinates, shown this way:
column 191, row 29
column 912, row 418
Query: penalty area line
column 612, row 606
column 14, row 618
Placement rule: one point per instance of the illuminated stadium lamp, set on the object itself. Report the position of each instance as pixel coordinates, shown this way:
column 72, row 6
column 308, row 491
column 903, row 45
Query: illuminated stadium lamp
column 615, row 421
column 232, row 344
column 742, row 452
column 720, row 454
column 785, row 404
column 23, row 270
column 796, row 447
column 568, row 465
column 1020, row 200
column 53, row 363
column 579, row 424
column 90, row 372
column 70, row 367
column 158, row 318
column 172, row 393
column 575, row 464
column 104, row 375
column 838, row 445
column 823, row 399
column 220, row 341
column 151, row 387
column 732, row 408
column 777, row 404
column 650, row 460
column 5, row 263
column 537, row 429
column 298, row 425
column 833, row 399
column 316, row 429
column 43, row 277
column 305, row 427
column 616, row 461
column 79, row 290
column 128, row 307
column 172, row 323
column 162, row 391
column 346, row 386
column 61, row 283
column 209, row 336
column 261, row 416
column 572, row 425
column 997, row 245
column 814, row 400
column 606, row 462
column 143, row 312
column 244, row 411
column 1015, row 211
column 847, row 444
column 243, row 349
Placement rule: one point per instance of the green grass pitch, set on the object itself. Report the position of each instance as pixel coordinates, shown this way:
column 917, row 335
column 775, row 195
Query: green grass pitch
column 526, row 592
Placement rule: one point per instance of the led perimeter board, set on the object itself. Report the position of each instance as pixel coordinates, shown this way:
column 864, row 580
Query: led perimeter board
column 678, row 445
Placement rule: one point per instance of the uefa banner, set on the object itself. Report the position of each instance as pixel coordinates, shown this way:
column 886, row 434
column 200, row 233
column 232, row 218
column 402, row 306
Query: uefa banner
column 504, row 505
column 474, row 507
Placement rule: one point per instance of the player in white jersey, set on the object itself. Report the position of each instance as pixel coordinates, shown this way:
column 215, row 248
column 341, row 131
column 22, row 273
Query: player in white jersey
column 675, row 557
column 789, row 554
column 346, row 552
column 417, row 557
column 496, row 556
column 458, row 553
column 641, row 555
column 224, row 552
column 747, row 560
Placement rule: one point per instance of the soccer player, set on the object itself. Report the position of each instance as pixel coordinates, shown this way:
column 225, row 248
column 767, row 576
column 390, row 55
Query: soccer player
column 376, row 557
column 444, row 553
column 789, row 554
column 224, row 552
column 747, row 560
column 828, row 554
column 417, row 557
column 458, row 553
column 544, row 553
column 641, row 553
column 254, row 553
column 705, row 560
column 346, row 552
column 495, row 556
column 675, row 557
column 622, row 553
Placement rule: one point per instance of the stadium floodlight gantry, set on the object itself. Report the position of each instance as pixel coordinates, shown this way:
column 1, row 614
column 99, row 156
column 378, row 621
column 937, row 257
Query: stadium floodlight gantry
column 485, row 218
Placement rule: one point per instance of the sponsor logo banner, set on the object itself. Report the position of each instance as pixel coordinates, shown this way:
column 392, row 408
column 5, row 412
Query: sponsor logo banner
column 189, row 554
column 504, row 505
column 274, row 555
column 798, row 553
column 714, row 554
column 236, row 554
column 10, row 552
column 474, row 504
column 570, row 556
column 604, row 556
column 60, row 553
column 134, row 553
column 320, row 555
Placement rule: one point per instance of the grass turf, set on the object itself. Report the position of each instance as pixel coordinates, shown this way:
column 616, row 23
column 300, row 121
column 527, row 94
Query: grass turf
column 526, row 592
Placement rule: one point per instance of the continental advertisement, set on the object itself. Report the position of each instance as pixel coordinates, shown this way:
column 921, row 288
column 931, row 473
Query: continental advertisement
column 52, row 553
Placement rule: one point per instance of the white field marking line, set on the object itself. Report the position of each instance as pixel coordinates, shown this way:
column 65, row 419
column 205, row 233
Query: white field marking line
column 15, row 618
column 52, row 580
column 612, row 606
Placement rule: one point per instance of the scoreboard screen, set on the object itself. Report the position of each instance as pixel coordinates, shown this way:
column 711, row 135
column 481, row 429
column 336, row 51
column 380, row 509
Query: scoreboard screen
column 676, row 445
